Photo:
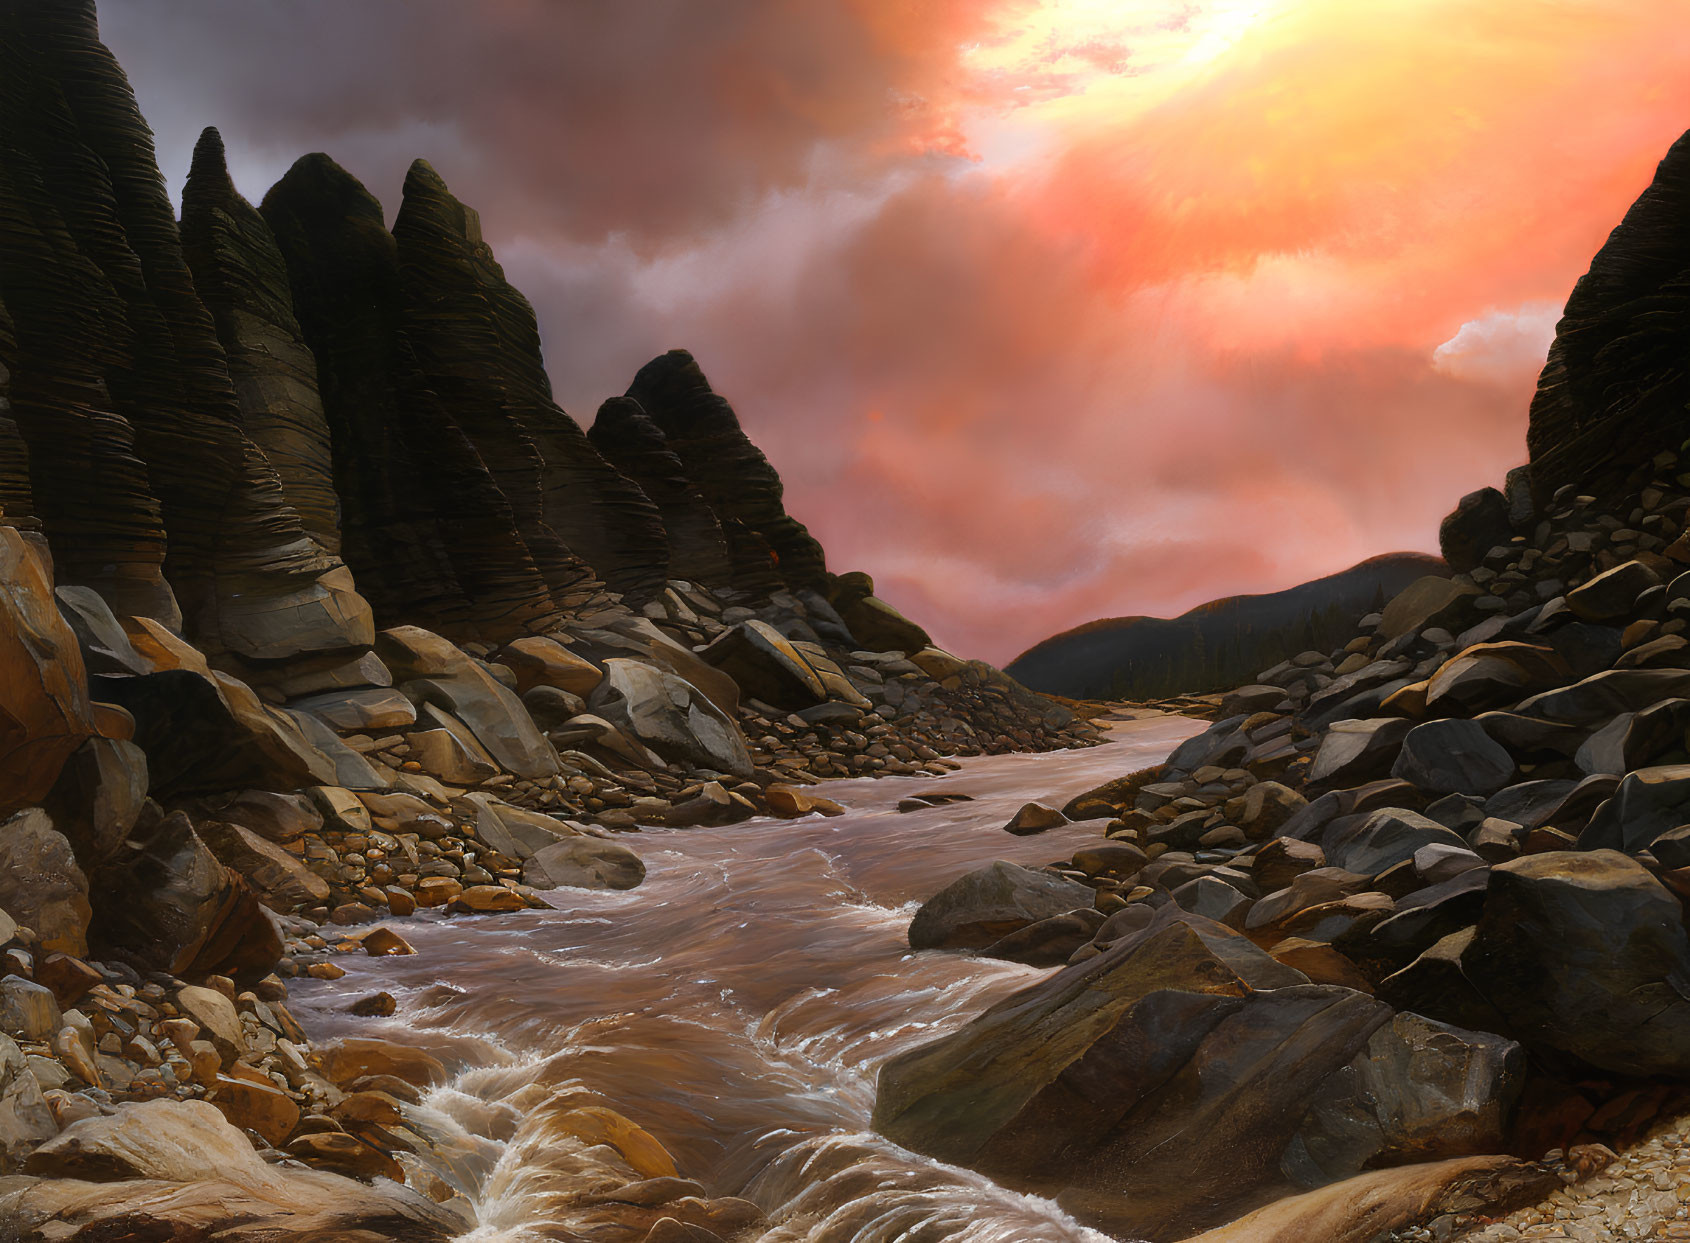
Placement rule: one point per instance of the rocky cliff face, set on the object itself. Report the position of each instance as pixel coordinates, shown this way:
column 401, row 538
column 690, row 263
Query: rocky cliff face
column 1616, row 388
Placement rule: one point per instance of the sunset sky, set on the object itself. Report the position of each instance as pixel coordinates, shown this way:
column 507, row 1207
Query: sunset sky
column 1046, row 310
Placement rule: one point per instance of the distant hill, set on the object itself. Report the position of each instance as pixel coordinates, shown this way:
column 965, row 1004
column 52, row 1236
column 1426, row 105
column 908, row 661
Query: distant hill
column 1217, row 645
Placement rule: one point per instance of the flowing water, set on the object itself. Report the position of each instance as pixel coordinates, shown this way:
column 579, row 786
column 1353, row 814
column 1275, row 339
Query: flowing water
column 737, row 1005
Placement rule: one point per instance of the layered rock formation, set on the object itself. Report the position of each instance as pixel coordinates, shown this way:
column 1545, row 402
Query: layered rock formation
column 1216, row 645
column 315, row 609
column 767, row 546
column 1617, row 383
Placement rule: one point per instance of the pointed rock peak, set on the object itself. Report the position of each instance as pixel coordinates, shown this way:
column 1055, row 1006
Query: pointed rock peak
column 673, row 390
column 426, row 193
column 623, row 422
column 208, row 181
column 317, row 179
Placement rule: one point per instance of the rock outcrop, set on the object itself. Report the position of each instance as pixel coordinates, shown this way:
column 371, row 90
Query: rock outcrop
column 767, row 546
column 1615, row 387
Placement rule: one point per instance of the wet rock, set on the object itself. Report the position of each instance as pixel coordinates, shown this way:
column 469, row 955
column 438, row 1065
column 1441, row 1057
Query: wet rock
column 991, row 902
column 583, row 863
column 1034, row 818
column 1077, row 1086
column 41, row 885
column 352, row 1058
column 263, row 1109
column 512, row 831
column 790, row 802
column 1115, row 859
column 375, row 1006
column 1455, row 756
column 1049, row 942
column 486, row 900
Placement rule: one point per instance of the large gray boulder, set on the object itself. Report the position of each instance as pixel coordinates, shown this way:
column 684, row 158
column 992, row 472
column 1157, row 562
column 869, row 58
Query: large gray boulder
column 1648, row 803
column 1419, row 1090
column 989, row 903
column 1586, row 953
column 1352, row 752
column 25, row 1120
column 1152, row 1089
column 583, row 863
column 1383, row 839
column 1453, row 757
column 671, row 716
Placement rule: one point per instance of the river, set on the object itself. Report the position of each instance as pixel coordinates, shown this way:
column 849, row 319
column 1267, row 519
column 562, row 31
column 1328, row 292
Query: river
column 737, row 1005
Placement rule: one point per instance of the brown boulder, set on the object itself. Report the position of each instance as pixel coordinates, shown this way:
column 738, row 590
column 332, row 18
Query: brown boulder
column 41, row 886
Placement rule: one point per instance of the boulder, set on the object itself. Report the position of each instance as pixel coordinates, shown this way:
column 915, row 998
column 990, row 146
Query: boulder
column 991, row 902
column 449, row 752
column 1213, row 899
column 105, row 647
column 512, row 831
column 352, row 1058
column 275, row 817
column 1492, row 675
column 1034, row 818
column 1427, row 602
column 211, row 733
column 539, row 661
column 1264, row 808
column 1049, row 942
column 1282, row 860
column 167, row 904
column 767, row 666
column 671, row 716
column 98, row 797
column 1612, row 594
column 1586, row 953
column 1152, row 1089
column 789, row 802
column 1478, row 523
column 1383, row 839
column 28, row 1010
column 1602, row 696
column 1453, row 757
column 878, row 627
column 279, row 880
column 1419, row 1090
column 1352, row 752
column 41, row 885
column 363, row 709
column 47, row 713
column 1648, row 803
column 25, row 1119
column 434, row 671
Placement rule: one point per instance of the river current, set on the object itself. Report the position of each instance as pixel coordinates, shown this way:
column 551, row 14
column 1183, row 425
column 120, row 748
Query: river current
column 737, row 1005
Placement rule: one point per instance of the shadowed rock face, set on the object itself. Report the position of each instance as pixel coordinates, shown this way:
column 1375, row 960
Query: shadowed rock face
column 243, row 282
column 17, row 506
column 1616, row 386
column 425, row 527
column 478, row 346
column 121, row 389
column 630, row 441
column 767, row 547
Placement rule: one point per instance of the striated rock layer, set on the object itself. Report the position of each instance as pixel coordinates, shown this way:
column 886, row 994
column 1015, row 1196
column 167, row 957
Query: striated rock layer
column 478, row 345
column 145, row 484
column 767, row 546
column 1617, row 384
column 626, row 436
